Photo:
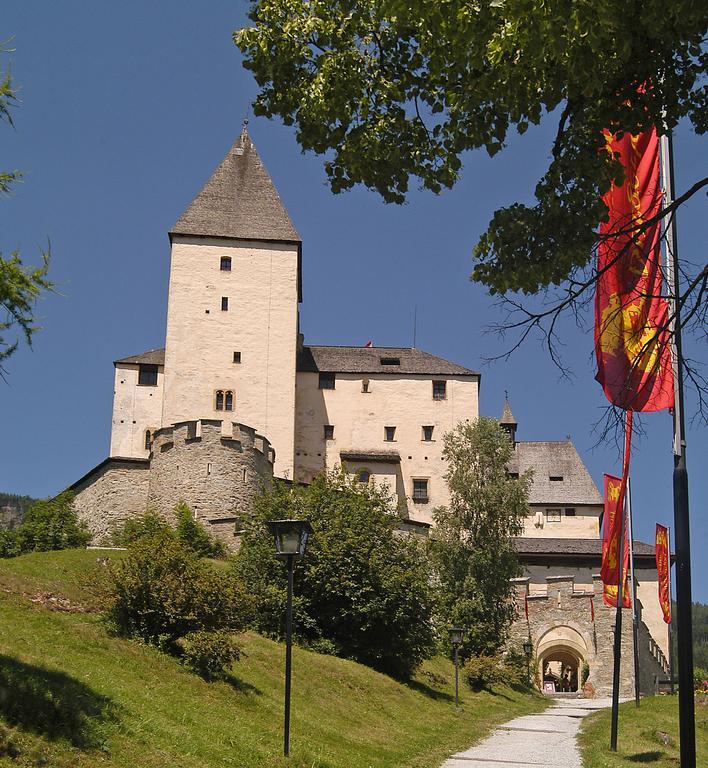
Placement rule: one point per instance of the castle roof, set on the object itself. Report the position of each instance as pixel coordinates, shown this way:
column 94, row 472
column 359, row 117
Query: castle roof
column 507, row 415
column 151, row 357
column 395, row 360
column 531, row 549
column 238, row 201
column 559, row 475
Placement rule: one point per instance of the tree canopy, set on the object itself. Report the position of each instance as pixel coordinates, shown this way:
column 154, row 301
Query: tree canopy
column 472, row 545
column 388, row 90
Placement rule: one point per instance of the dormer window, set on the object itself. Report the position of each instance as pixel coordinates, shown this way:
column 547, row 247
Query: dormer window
column 390, row 361
column 556, row 478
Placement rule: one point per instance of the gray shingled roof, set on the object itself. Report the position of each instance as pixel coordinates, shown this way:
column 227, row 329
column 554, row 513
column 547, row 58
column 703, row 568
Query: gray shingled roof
column 238, row 201
column 368, row 360
column 555, row 459
column 151, row 357
column 542, row 546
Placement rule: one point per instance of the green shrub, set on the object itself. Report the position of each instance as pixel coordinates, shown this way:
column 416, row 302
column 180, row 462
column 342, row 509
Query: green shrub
column 700, row 678
column 483, row 672
column 514, row 667
column 209, row 654
column 134, row 528
column 52, row 524
column 161, row 592
column 361, row 587
column 9, row 543
column 193, row 534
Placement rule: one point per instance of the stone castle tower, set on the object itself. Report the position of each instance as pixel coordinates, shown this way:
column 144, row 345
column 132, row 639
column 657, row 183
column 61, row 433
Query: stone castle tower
column 232, row 314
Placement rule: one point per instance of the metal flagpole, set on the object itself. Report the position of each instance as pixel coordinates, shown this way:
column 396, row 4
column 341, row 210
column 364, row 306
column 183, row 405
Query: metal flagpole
column 671, row 623
column 618, row 634
column 684, row 630
column 635, row 618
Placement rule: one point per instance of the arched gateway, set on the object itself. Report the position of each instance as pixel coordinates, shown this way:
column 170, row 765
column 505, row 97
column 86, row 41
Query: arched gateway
column 561, row 653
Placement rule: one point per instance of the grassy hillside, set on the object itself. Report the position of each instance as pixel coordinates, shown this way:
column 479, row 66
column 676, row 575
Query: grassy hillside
column 71, row 695
column 648, row 734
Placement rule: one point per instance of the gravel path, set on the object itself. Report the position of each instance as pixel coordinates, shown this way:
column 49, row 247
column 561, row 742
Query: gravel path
column 546, row 740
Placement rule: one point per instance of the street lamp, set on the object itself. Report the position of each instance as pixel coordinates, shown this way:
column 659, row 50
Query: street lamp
column 456, row 634
column 528, row 647
column 290, row 542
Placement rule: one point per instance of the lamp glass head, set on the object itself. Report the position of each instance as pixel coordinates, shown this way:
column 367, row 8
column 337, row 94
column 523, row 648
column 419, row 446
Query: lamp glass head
column 456, row 635
column 290, row 536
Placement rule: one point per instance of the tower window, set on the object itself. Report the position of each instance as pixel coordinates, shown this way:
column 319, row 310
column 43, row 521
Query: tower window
column 420, row 491
column 147, row 375
column 225, row 264
column 428, row 433
column 148, row 439
column 329, row 432
column 219, row 403
column 224, row 303
column 389, row 434
column 326, row 380
column 439, row 390
column 237, row 357
column 228, row 401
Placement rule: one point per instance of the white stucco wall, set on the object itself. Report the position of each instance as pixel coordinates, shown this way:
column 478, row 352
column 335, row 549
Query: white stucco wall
column 261, row 324
column 135, row 410
column 583, row 525
column 359, row 418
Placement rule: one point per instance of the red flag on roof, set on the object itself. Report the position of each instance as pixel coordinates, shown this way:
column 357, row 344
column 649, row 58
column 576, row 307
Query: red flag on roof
column 368, row 344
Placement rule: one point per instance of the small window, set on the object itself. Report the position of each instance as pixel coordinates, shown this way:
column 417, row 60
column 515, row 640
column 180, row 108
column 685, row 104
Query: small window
column 147, row 376
column 208, row 468
column 420, row 491
column 556, row 478
column 512, row 475
column 326, row 380
column 329, row 432
column 224, row 303
column 148, row 439
column 390, row 361
column 364, row 385
column 363, row 475
column 225, row 264
column 389, row 434
column 553, row 515
column 569, row 512
column 439, row 390
column 428, row 433
column 237, row 357
column 228, row 401
column 219, row 401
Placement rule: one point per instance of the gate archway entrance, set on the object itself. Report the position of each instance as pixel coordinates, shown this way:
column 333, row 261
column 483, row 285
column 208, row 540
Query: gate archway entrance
column 561, row 653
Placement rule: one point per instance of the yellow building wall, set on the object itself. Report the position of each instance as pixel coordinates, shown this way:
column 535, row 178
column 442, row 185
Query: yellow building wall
column 403, row 401
column 583, row 525
column 261, row 324
column 135, row 410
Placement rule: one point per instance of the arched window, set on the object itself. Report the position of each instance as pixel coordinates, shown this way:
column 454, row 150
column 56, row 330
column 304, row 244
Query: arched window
column 225, row 264
column 219, row 400
column 148, row 439
column 363, row 475
column 229, row 401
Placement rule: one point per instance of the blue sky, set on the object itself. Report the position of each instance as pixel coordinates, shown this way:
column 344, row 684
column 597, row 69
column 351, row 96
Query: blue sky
column 126, row 109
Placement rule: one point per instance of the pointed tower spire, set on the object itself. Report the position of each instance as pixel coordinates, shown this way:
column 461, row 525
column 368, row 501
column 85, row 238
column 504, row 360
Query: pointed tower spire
column 507, row 422
column 238, row 201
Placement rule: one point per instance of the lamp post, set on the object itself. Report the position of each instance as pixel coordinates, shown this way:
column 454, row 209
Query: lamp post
column 290, row 542
column 456, row 634
column 528, row 647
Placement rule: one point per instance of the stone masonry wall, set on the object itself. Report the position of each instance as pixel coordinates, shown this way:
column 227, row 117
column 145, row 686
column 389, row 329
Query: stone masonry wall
column 215, row 467
column 562, row 618
column 115, row 491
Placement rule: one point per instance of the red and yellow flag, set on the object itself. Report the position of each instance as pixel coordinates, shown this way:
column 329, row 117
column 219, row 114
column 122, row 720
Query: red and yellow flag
column 631, row 334
column 614, row 493
column 663, row 565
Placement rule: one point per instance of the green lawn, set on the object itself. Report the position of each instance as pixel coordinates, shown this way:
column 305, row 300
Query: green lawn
column 72, row 695
column 647, row 735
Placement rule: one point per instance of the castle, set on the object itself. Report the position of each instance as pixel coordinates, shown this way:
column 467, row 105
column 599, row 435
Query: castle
column 236, row 398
